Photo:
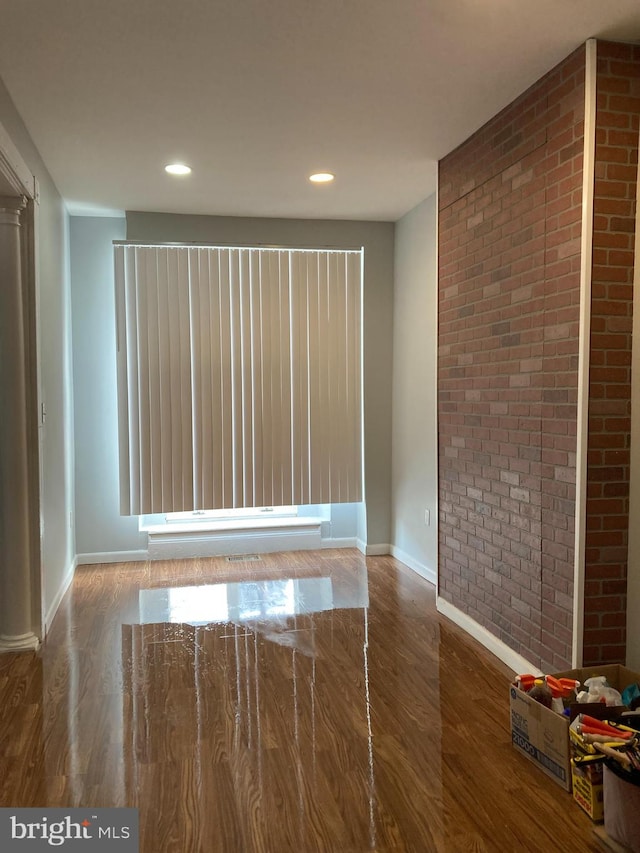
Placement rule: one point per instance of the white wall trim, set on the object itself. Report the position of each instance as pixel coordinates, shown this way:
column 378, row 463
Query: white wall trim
column 223, row 543
column 419, row 568
column 512, row 659
column 111, row 557
column 14, row 169
column 217, row 546
column 436, row 416
column 380, row 550
column 67, row 580
column 239, row 526
column 350, row 542
column 586, row 246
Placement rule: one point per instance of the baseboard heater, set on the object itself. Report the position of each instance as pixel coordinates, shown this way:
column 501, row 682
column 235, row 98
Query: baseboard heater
column 220, row 539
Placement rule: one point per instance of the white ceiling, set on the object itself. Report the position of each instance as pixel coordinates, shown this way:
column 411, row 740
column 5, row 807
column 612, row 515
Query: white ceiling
column 257, row 94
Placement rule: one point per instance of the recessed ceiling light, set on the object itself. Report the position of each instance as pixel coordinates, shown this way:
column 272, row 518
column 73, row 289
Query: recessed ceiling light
column 177, row 169
column 321, row 177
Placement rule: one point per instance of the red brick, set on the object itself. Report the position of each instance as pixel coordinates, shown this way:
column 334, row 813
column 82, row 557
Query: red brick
column 518, row 280
column 624, row 104
column 615, row 207
column 615, row 50
column 618, row 85
column 621, row 137
column 619, row 172
column 614, row 119
column 609, row 154
column 611, row 189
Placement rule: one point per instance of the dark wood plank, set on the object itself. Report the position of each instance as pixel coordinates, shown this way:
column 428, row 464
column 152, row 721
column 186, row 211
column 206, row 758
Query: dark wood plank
column 351, row 729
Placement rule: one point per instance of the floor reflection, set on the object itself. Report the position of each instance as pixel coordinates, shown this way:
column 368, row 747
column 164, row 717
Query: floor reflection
column 306, row 702
column 236, row 679
column 246, row 601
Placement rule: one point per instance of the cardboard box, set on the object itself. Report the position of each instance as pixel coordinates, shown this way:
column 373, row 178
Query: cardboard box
column 618, row 676
column 542, row 736
column 588, row 788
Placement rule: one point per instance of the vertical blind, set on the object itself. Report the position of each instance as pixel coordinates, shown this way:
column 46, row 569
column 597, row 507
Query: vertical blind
column 239, row 377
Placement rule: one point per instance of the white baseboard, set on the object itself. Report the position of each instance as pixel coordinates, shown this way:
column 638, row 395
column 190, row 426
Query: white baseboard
column 501, row 650
column 64, row 586
column 418, row 567
column 340, row 543
column 111, row 557
column 168, row 547
column 380, row 550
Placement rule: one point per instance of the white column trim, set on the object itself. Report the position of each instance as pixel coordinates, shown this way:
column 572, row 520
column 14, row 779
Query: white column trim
column 588, row 178
column 21, row 643
column 436, row 408
column 17, row 176
column 16, row 609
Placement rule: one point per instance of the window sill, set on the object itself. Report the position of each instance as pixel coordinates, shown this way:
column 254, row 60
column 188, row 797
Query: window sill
column 242, row 525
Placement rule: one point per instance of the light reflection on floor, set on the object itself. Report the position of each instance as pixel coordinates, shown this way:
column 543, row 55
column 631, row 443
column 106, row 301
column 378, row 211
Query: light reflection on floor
column 286, row 706
column 220, row 640
column 248, row 601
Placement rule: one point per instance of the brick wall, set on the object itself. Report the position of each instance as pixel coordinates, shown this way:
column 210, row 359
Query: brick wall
column 509, row 242
column 617, row 122
column 509, row 259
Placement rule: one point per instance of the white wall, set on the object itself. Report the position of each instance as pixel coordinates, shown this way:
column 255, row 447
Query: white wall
column 100, row 529
column 374, row 528
column 56, row 435
column 414, row 442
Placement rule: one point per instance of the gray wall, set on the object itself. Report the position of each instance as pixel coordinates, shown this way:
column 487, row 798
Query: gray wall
column 99, row 526
column 378, row 241
column 55, row 360
column 415, row 476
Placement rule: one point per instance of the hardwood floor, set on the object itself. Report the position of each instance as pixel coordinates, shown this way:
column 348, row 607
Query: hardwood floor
column 325, row 707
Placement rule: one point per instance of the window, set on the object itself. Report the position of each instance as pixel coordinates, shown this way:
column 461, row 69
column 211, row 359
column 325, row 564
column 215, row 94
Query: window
column 239, row 377
column 244, row 513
